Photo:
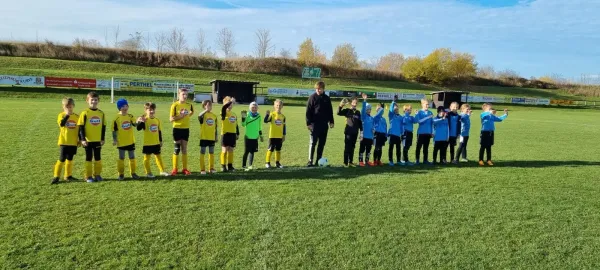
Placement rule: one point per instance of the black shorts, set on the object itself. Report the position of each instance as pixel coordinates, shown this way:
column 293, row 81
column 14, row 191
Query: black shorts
column 207, row 143
column 423, row 138
column 228, row 140
column 67, row 151
column 408, row 139
column 151, row 149
column 92, row 145
column 380, row 139
column 395, row 139
column 181, row 134
column 452, row 141
column 130, row 147
column 486, row 138
column 251, row 145
column 275, row 144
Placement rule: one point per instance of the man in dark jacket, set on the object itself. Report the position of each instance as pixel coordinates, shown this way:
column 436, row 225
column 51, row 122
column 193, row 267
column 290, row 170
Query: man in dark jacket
column 319, row 118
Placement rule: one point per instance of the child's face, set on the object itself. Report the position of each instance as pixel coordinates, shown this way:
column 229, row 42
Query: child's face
column 369, row 111
column 208, row 107
column 93, row 102
column 466, row 109
column 150, row 112
column 396, row 108
column 425, row 105
column 454, row 107
column 320, row 91
column 408, row 110
column 354, row 103
column 254, row 109
column 124, row 109
column 69, row 108
column 278, row 106
column 183, row 96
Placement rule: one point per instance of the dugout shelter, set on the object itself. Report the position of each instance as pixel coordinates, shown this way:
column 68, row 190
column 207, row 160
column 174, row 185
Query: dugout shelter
column 445, row 98
column 243, row 92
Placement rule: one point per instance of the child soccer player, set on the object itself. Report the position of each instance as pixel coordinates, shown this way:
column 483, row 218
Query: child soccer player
column 67, row 140
column 230, row 133
column 353, row 128
column 122, row 133
column 488, row 118
column 181, row 111
column 277, row 133
column 152, row 139
column 440, row 122
column 465, row 128
column 407, row 138
column 424, row 132
column 395, row 132
column 208, row 136
column 92, row 127
column 380, row 134
column 366, row 136
column 253, row 124
column 454, row 126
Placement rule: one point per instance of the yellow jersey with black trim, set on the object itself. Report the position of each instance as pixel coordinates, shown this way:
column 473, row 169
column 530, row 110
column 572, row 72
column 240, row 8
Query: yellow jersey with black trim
column 68, row 129
column 229, row 123
column 208, row 126
column 152, row 131
column 123, row 125
column 185, row 109
column 93, row 122
column 277, row 125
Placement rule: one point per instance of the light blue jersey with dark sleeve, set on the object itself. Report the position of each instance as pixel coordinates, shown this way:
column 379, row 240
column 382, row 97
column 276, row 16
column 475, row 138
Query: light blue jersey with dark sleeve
column 408, row 121
column 488, row 120
column 465, row 125
column 424, row 118
column 367, row 122
column 396, row 125
column 442, row 129
column 379, row 122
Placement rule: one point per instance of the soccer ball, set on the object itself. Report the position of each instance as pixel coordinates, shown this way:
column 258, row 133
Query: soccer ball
column 323, row 162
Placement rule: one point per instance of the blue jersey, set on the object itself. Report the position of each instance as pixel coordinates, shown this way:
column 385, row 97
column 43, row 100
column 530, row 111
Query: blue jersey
column 367, row 122
column 408, row 121
column 488, row 120
column 442, row 129
column 379, row 122
column 465, row 125
column 454, row 120
column 424, row 118
column 396, row 125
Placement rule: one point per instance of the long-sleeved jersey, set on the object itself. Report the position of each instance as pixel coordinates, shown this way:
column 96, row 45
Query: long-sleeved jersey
column 488, row 120
column 425, row 123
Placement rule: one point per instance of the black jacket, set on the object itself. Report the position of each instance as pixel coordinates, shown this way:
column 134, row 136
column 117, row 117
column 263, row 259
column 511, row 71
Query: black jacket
column 353, row 122
column 319, row 111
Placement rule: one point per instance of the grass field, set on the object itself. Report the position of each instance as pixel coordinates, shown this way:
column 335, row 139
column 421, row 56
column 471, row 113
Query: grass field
column 537, row 208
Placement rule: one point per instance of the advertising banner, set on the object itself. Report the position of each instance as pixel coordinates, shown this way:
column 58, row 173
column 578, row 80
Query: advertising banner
column 387, row 96
column 170, row 87
column 69, row 82
column 105, row 84
column 30, row 81
column 561, row 102
column 413, row 96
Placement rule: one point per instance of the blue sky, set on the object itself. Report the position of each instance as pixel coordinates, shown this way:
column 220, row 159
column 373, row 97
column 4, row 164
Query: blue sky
column 532, row 37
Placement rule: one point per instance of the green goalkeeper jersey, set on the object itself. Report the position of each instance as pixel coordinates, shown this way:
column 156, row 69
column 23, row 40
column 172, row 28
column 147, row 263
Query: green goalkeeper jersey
column 253, row 125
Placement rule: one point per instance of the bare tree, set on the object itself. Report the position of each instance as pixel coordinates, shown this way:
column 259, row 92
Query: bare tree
column 116, row 34
column 147, row 41
column 160, row 39
column 285, row 53
column 106, row 37
column 226, row 42
column 86, row 43
column 202, row 48
column 176, row 41
column 264, row 47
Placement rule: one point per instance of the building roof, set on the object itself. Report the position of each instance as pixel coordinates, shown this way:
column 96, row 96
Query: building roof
column 449, row 92
column 226, row 81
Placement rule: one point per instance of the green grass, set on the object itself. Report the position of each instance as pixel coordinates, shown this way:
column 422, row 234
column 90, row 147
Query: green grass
column 537, row 208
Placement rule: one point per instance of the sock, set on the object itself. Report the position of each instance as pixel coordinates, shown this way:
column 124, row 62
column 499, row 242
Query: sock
column 159, row 162
column 229, row 157
column 88, row 169
column 132, row 165
column 250, row 158
column 68, row 168
column 175, row 162
column 202, row 164
column 277, row 156
column 121, row 166
column 98, row 167
column 211, row 161
column 147, row 169
column 184, row 161
column 269, row 156
column 57, row 168
column 223, row 155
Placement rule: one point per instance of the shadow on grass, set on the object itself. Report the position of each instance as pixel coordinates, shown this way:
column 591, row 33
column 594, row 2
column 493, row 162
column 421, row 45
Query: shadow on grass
column 546, row 164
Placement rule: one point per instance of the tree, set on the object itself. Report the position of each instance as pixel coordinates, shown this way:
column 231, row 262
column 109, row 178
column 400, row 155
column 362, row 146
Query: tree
column 116, row 34
column 176, row 41
column 264, row 46
column 435, row 66
column 306, row 52
column 462, row 66
column 412, row 68
column 160, row 39
column 133, row 43
column 486, row 72
column 86, row 43
column 391, row 62
column 285, row 53
column 226, row 42
column 202, row 48
column 345, row 56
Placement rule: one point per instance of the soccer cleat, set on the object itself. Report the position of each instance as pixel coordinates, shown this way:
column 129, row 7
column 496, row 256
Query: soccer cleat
column 174, row 172
column 230, row 168
column 309, row 164
column 361, row 164
column 372, row 164
column 90, row 180
column 164, row 174
column 98, row 178
column 223, row 168
column 278, row 165
column 481, row 163
column 135, row 176
column 203, row 172
column 268, row 165
column 213, row 171
column 150, row 175
column 71, row 178
column 121, row 177
column 427, row 163
column 409, row 163
column 186, row 172
column 392, row 164
column 464, row 160
column 401, row 163
column 455, row 161
column 249, row 168
column 490, row 163
column 55, row 181
column 351, row 165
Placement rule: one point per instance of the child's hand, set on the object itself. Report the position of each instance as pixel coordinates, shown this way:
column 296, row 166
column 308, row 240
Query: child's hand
column 331, row 125
column 84, row 143
column 244, row 113
column 216, row 139
column 237, row 137
column 261, row 138
column 360, row 137
column 310, row 128
column 506, row 111
column 114, row 142
column 268, row 112
column 160, row 144
column 283, row 139
column 101, row 143
column 141, row 119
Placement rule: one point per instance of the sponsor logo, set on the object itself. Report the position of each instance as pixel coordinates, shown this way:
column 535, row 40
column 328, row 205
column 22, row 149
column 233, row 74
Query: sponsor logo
column 71, row 124
column 95, row 120
column 232, row 119
column 210, row 122
column 126, row 125
column 184, row 112
column 153, row 128
column 278, row 122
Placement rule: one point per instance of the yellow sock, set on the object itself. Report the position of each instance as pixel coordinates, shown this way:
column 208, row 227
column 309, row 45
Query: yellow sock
column 202, row 163
column 211, row 161
column 223, row 155
column 269, row 156
column 57, row 168
column 98, row 167
column 147, row 169
column 277, row 156
column 159, row 162
column 175, row 161
column 132, row 165
column 68, row 168
column 229, row 157
column 88, row 169
column 121, row 166
column 184, row 161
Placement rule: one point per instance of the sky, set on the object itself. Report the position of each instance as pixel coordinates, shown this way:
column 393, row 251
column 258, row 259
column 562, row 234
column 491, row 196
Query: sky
column 531, row 37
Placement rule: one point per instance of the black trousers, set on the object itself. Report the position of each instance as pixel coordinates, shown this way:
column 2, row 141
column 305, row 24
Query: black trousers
column 349, row 146
column 442, row 147
column 462, row 148
column 408, row 138
column 423, row 143
column 93, row 151
column 395, row 142
column 380, row 139
column 365, row 147
column 486, row 141
column 318, row 138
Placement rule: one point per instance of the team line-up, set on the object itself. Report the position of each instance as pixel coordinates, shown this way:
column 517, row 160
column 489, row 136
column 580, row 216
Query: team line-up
column 88, row 129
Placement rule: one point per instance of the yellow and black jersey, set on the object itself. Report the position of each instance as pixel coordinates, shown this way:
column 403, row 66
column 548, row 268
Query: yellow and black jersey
column 68, row 129
column 152, row 131
column 92, row 125
column 123, row 129
column 277, row 125
column 208, row 126
column 230, row 120
column 185, row 109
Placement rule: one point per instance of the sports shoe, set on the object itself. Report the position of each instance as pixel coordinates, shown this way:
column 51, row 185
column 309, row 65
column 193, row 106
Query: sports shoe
column 249, row 168
column 164, row 174
column 149, row 175
column 490, row 163
column 361, row 164
column 309, row 164
column 71, row 178
column 351, row 165
column 268, row 165
column 99, row 178
column 213, row 171
column 455, row 161
column 174, row 172
column 121, row 177
column 55, row 181
column 464, row 160
column 392, row 164
column 230, row 168
column 481, row 163
column 186, row 172
column 401, row 163
column 203, row 172
column 135, row 176
column 372, row 164
column 427, row 163
column 90, row 180
column 278, row 165
column 223, row 168
column 408, row 163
